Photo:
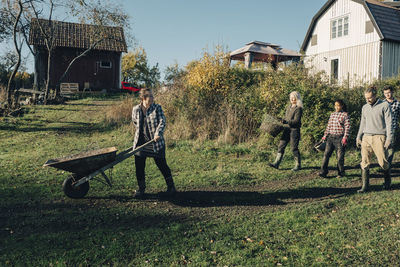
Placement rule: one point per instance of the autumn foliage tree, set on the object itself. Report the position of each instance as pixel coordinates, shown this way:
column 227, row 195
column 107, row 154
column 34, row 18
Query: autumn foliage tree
column 136, row 69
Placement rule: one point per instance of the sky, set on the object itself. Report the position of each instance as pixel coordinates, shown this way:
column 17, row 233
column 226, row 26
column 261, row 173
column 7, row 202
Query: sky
column 178, row 31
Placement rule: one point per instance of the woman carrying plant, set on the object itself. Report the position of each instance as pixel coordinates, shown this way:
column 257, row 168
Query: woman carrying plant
column 149, row 121
column 336, row 136
column 291, row 134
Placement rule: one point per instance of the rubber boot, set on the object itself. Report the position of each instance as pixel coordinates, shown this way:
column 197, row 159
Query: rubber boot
column 277, row 161
column 388, row 180
column 171, row 190
column 142, row 187
column 365, row 181
column 297, row 164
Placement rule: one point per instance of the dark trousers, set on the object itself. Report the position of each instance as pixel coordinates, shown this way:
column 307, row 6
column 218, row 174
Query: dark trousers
column 292, row 136
column 334, row 142
column 140, row 163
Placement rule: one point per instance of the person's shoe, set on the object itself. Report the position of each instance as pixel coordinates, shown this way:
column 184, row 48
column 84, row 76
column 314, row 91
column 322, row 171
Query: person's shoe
column 171, row 190
column 322, row 174
column 340, row 175
column 139, row 194
column 365, row 181
column 277, row 161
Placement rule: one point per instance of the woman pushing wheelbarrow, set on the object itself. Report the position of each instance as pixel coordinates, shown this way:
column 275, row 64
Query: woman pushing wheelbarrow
column 149, row 121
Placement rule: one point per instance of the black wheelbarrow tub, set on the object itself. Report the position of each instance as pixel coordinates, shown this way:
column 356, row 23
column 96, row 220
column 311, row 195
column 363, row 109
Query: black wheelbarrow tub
column 84, row 163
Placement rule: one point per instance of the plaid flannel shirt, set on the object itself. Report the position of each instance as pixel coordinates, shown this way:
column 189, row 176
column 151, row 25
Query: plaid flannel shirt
column 338, row 124
column 395, row 107
column 155, row 121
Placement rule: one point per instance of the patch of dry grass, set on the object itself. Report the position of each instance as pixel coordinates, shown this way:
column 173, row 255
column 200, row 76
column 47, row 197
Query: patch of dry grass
column 121, row 112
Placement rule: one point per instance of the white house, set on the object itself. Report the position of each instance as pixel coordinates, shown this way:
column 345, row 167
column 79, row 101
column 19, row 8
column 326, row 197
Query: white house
column 355, row 41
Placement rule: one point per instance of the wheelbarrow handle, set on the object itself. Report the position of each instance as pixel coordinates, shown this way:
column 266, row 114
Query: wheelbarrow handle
column 142, row 146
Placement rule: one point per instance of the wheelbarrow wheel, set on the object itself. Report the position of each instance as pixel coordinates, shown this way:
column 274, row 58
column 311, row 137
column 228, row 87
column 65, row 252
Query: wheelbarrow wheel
column 73, row 191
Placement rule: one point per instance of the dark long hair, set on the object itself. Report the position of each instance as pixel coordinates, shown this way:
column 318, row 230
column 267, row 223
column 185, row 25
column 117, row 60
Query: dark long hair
column 342, row 104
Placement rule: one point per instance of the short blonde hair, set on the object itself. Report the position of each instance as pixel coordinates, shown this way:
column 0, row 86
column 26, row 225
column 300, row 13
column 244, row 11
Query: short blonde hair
column 298, row 98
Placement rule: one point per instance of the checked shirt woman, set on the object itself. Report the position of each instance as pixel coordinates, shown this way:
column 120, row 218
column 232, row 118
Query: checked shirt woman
column 336, row 135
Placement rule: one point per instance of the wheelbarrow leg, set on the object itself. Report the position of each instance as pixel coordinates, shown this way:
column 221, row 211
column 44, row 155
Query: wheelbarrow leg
column 106, row 178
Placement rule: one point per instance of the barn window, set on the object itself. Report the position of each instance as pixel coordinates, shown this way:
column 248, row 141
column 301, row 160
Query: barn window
column 369, row 27
column 314, row 40
column 346, row 26
column 340, row 27
column 105, row 64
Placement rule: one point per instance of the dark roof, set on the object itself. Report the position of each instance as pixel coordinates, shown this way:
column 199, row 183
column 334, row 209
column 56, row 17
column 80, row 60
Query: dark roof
column 264, row 52
column 385, row 18
column 77, row 35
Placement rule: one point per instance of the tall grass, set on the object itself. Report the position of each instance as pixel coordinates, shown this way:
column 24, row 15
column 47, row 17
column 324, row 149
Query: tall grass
column 120, row 113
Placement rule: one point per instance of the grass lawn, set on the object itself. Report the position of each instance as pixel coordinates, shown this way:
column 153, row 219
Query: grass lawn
column 232, row 209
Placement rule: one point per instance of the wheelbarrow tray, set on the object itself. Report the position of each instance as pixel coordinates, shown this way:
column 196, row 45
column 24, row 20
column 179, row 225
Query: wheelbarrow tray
column 84, row 163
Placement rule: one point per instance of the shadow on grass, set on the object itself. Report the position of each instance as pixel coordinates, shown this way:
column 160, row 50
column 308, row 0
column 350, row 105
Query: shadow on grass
column 219, row 199
column 77, row 127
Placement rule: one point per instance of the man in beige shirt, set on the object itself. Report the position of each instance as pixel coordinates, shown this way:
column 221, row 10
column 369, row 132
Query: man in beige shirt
column 375, row 136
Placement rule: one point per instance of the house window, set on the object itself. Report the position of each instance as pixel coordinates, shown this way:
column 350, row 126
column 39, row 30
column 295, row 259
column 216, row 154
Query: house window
column 340, row 27
column 105, row 64
column 314, row 40
column 334, row 70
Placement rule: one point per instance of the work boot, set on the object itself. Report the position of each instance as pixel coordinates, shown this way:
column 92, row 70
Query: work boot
column 277, row 161
column 365, row 181
column 297, row 164
column 388, row 180
column 171, row 190
column 142, row 187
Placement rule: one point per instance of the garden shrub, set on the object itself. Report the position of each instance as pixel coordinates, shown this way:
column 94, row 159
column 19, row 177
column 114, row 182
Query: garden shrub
column 212, row 100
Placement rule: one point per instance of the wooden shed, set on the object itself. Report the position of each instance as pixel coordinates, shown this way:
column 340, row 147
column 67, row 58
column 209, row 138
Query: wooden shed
column 99, row 69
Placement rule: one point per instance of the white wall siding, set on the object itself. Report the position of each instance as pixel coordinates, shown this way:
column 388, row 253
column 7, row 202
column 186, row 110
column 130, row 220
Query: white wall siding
column 357, row 19
column 390, row 59
column 358, row 52
column 357, row 64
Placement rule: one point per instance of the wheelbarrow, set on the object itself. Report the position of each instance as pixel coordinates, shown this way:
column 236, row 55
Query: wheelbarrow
column 87, row 165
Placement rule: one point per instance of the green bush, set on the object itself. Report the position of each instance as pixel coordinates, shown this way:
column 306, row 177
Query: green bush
column 212, row 100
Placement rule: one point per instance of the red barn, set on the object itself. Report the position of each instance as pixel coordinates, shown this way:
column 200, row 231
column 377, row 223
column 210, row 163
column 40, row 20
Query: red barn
column 99, row 69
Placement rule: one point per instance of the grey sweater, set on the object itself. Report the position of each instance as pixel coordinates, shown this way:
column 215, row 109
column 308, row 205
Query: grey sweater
column 376, row 119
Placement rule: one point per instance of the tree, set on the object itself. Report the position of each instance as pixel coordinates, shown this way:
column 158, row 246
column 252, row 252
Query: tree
column 5, row 23
column 12, row 10
column 136, row 69
column 173, row 73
